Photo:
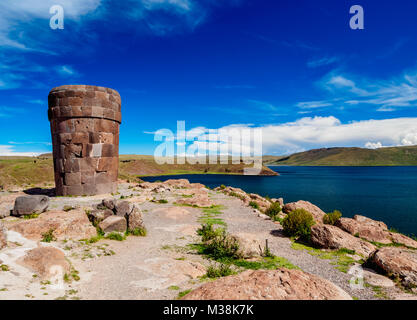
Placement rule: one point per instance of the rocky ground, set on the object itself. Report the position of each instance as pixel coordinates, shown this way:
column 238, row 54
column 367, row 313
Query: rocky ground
column 164, row 264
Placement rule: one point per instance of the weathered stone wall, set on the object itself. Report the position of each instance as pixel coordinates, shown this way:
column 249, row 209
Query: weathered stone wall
column 85, row 124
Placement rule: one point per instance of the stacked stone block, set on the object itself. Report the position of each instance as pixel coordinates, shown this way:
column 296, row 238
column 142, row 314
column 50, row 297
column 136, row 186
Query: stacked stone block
column 85, row 124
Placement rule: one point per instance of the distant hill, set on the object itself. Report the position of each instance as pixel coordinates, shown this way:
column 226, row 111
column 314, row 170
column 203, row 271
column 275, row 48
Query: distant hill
column 393, row 156
column 38, row 171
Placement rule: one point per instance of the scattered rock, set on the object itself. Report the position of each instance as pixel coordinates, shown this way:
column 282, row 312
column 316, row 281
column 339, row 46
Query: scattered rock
column 280, row 284
column 178, row 183
column 113, row 224
column 66, row 225
column 331, row 237
column 399, row 263
column 47, row 262
column 26, row 205
column 96, row 216
column 317, row 213
column 5, row 210
column 3, row 236
column 402, row 239
column 123, row 208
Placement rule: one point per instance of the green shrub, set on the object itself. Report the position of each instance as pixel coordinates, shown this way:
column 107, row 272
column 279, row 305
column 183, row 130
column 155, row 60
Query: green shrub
column 298, row 224
column 254, row 205
column 223, row 270
column 163, row 201
column 115, row 236
column 332, row 217
column 222, row 187
column 207, row 232
column 139, row 232
column 48, row 236
column 273, row 210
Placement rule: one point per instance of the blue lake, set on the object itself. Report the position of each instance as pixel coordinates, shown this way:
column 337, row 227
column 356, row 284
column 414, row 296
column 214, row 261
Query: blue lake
column 383, row 193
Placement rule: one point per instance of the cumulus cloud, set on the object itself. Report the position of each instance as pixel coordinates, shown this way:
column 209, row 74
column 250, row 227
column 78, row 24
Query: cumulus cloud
column 310, row 133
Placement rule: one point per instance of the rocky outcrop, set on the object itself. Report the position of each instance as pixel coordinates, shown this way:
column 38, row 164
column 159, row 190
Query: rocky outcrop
column 397, row 263
column 66, row 225
column 46, row 262
column 113, row 224
column 331, row 237
column 199, row 200
column 130, row 216
column 26, row 205
column 316, row 212
column 375, row 231
column 3, row 236
column 280, row 284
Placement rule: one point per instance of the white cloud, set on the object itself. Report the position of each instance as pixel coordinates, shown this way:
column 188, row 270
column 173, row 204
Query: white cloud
column 322, row 62
column 373, row 145
column 6, row 150
column 66, row 71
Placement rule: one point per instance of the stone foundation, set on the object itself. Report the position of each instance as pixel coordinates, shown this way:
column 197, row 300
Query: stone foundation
column 85, row 124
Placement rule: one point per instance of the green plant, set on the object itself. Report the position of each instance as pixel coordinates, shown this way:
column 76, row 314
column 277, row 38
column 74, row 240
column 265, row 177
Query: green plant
column 31, row 216
column 207, row 232
column 273, row 210
column 174, row 288
column 162, row 201
column 48, row 236
column 183, row 293
column 139, row 232
column 222, row 270
column 4, row 267
column 332, row 217
column 222, row 246
column 254, row 205
column 68, row 208
column 298, row 224
column 222, row 187
column 116, row 236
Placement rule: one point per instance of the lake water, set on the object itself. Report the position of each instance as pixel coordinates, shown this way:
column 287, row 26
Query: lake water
column 388, row 194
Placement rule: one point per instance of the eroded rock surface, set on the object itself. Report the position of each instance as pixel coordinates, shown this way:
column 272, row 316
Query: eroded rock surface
column 3, row 236
column 26, row 205
column 281, row 284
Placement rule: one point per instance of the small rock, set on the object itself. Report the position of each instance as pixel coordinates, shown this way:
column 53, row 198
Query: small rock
column 107, row 204
column 113, row 224
column 26, row 205
column 249, row 245
column 376, row 279
column 47, row 262
column 96, row 216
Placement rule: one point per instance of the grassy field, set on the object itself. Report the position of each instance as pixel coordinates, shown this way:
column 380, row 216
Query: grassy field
column 38, row 172
column 395, row 156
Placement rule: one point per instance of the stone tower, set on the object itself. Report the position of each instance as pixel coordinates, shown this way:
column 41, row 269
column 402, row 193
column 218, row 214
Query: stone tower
column 85, row 124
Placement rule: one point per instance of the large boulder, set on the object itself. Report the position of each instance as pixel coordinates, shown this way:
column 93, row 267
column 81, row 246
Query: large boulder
column 178, row 183
column 123, row 208
column 280, row 284
column 113, row 224
column 66, row 225
column 316, row 212
column 26, row 205
column 3, row 236
column 331, row 237
column 373, row 230
column 96, row 216
column 47, row 262
column 398, row 263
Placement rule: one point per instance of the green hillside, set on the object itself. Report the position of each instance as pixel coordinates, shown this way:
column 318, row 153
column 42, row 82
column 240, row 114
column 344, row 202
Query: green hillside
column 395, row 156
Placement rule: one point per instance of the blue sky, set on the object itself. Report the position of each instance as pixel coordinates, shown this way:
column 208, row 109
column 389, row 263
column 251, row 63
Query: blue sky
column 293, row 68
